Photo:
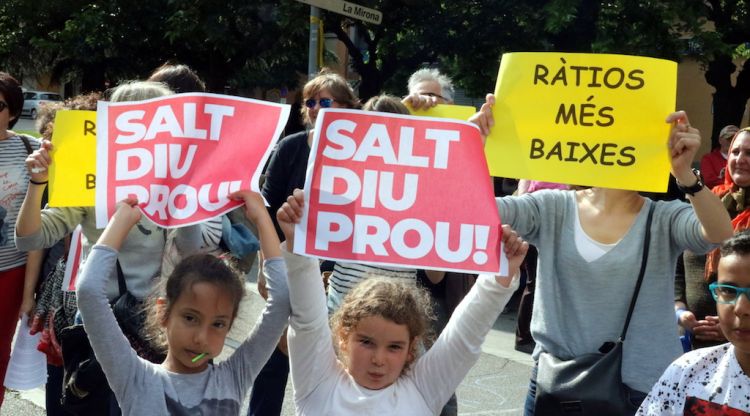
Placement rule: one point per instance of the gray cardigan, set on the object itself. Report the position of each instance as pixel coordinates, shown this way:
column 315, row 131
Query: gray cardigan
column 579, row 305
column 140, row 255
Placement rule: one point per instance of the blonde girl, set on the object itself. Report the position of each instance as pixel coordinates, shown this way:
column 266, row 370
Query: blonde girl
column 194, row 313
column 376, row 331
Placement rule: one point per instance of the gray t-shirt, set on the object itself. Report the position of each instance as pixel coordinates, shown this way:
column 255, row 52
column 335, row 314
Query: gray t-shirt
column 580, row 305
column 144, row 388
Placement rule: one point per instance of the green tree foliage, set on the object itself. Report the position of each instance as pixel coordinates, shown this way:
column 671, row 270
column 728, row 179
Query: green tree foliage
column 713, row 32
column 243, row 44
column 234, row 44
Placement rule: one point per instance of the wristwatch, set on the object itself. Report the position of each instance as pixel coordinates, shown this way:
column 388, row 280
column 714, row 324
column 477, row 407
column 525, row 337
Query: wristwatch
column 693, row 189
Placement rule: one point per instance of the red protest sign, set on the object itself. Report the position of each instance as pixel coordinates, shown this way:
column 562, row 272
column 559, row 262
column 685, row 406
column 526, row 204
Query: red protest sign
column 399, row 190
column 182, row 154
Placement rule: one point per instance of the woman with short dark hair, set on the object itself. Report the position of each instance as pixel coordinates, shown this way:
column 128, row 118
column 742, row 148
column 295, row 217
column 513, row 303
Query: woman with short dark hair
column 14, row 179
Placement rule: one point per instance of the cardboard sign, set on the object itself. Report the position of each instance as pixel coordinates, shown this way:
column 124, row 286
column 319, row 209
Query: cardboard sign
column 73, row 262
column 457, row 112
column 583, row 119
column 399, row 190
column 72, row 176
column 182, row 155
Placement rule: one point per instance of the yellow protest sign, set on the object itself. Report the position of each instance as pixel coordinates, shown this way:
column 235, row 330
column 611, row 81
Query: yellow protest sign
column 583, row 119
column 72, row 175
column 457, row 112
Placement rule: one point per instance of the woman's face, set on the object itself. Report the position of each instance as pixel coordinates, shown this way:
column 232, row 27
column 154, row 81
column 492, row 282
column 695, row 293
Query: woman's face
column 739, row 160
column 312, row 112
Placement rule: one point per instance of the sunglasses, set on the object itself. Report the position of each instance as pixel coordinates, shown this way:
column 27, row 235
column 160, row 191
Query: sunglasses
column 727, row 294
column 432, row 94
column 3, row 106
column 324, row 103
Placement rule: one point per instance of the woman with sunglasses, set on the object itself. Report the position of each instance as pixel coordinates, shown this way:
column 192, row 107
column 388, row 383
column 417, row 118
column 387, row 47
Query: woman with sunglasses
column 696, row 310
column 285, row 172
column 288, row 164
column 17, row 281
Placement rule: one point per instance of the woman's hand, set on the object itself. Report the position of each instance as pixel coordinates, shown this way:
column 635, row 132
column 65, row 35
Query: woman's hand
column 484, row 118
column 290, row 214
column 684, row 142
column 419, row 101
column 38, row 162
column 708, row 329
column 27, row 308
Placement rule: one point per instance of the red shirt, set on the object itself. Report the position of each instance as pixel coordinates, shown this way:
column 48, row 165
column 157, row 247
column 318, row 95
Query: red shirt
column 712, row 165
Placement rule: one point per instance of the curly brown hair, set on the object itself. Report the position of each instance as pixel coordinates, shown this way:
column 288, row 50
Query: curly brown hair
column 191, row 270
column 45, row 122
column 397, row 300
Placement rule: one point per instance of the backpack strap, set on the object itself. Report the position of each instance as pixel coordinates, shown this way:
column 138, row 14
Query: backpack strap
column 121, row 285
column 644, row 260
column 26, row 144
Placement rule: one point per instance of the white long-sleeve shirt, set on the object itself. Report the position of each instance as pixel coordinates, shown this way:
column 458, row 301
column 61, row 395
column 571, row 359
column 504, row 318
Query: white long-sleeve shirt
column 322, row 385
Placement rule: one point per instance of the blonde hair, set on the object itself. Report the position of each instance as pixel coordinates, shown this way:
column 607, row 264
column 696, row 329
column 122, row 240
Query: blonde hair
column 333, row 83
column 139, row 91
column 397, row 300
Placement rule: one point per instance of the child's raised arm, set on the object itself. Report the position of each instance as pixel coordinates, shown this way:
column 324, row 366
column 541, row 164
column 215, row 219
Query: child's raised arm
column 290, row 214
column 118, row 360
column 126, row 216
column 515, row 249
column 255, row 211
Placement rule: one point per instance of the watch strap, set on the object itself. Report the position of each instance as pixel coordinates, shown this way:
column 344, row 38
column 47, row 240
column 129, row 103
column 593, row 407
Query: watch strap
column 693, row 189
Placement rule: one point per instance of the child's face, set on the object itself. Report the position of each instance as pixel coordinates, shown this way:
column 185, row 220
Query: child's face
column 735, row 319
column 376, row 352
column 198, row 323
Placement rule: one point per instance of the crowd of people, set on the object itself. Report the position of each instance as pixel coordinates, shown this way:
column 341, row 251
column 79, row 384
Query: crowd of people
column 375, row 339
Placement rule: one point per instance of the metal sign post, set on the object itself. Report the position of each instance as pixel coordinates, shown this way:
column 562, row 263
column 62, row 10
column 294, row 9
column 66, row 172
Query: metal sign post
column 337, row 6
column 312, row 60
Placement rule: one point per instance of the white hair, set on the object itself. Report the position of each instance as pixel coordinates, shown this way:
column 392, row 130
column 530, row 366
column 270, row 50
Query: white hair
column 139, row 90
column 430, row 74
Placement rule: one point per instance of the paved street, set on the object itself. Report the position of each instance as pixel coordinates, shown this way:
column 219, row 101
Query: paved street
column 25, row 123
column 496, row 385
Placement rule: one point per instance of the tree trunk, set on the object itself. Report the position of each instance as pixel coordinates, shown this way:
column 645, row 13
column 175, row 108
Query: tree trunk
column 729, row 100
column 92, row 78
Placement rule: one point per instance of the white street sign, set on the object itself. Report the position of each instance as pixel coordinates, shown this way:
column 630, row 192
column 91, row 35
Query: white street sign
column 347, row 9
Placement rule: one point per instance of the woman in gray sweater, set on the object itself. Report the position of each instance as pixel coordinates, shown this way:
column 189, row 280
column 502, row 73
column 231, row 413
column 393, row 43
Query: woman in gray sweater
column 590, row 243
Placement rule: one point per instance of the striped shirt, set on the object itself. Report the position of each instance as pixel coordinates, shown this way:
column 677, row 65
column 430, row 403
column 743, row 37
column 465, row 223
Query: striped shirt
column 347, row 275
column 14, row 179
